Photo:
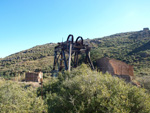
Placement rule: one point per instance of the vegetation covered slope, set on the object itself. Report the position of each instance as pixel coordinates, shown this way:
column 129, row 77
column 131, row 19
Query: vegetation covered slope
column 130, row 47
column 38, row 57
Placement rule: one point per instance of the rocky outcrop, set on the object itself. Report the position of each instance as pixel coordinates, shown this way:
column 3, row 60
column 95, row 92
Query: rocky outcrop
column 141, row 34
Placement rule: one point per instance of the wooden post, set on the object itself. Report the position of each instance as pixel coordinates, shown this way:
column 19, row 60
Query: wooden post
column 70, row 51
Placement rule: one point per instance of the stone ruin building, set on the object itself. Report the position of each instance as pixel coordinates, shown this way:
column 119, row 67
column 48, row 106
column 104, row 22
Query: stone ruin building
column 34, row 77
column 115, row 68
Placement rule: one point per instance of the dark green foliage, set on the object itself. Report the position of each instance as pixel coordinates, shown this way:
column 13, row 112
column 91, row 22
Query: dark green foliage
column 144, row 47
column 85, row 91
column 145, row 81
column 15, row 98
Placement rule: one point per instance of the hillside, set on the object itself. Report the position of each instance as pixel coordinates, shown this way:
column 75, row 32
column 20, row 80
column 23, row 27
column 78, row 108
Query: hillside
column 130, row 47
column 38, row 57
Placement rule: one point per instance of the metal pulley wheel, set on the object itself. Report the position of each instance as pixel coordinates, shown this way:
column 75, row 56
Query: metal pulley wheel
column 70, row 39
column 79, row 41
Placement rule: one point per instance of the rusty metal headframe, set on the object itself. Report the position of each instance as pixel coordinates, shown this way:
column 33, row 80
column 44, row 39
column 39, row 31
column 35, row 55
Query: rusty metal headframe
column 66, row 54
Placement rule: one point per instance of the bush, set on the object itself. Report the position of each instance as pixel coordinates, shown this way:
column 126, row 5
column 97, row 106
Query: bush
column 85, row 91
column 145, row 82
column 15, row 98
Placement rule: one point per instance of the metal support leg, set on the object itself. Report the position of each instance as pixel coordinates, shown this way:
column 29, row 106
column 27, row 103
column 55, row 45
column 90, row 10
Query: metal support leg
column 65, row 61
column 55, row 60
column 89, row 60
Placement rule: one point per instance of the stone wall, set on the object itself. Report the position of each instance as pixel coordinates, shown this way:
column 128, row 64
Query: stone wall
column 33, row 76
column 115, row 68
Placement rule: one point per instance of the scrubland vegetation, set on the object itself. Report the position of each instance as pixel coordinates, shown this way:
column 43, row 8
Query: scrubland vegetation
column 81, row 91
column 18, row 98
column 132, row 48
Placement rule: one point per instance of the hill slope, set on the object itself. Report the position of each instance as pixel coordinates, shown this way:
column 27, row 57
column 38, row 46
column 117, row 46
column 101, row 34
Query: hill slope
column 130, row 47
column 38, row 57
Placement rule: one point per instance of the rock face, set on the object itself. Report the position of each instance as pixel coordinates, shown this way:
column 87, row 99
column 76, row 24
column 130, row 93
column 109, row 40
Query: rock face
column 115, row 68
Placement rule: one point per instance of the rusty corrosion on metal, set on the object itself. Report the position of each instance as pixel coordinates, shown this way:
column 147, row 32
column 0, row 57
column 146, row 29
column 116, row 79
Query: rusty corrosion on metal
column 66, row 54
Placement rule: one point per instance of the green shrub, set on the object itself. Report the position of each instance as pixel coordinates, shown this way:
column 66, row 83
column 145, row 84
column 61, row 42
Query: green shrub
column 145, row 82
column 85, row 91
column 15, row 98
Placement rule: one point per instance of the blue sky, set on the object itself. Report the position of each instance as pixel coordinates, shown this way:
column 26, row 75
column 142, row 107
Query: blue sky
column 27, row 23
